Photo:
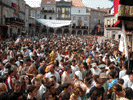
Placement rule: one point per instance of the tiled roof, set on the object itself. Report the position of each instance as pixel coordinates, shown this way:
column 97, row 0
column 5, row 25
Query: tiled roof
column 77, row 3
column 48, row 2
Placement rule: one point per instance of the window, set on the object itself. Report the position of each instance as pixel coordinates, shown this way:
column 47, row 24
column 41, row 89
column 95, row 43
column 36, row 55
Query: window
column 6, row 13
column 85, row 18
column 79, row 18
column 66, row 16
column 74, row 18
column 63, row 16
column 63, row 10
column 67, row 9
column 45, row 8
column 52, row 8
column 79, row 11
column 69, row 16
column 45, row 16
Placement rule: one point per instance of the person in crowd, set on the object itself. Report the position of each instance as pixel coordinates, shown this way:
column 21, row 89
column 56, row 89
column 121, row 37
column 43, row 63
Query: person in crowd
column 51, row 88
column 47, row 96
column 65, row 94
column 53, row 72
column 128, row 93
column 32, row 92
column 66, row 77
column 41, row 69
column 58, row 87
column 17, row 93
column 4, row 95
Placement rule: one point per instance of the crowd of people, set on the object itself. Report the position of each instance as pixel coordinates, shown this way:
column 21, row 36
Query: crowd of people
column 62, row 67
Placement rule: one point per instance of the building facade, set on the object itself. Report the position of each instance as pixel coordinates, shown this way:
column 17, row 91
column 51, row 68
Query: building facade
column 113, row 32
column 63, row 10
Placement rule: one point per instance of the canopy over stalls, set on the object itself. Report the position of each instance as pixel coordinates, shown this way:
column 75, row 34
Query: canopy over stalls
column 54, row 23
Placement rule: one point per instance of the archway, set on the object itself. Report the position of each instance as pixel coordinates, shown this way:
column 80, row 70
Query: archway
column 79, row 32
column 51, row 30
column 85, row 32
column 44, row 30
column 66, row 30
column 59, row 30
column 73, row 32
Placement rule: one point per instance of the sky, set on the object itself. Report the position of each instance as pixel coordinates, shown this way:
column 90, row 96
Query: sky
column 87, row 3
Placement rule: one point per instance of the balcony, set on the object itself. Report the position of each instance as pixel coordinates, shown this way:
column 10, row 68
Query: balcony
column 38, row 24
column 47, row 11
column 13, row 20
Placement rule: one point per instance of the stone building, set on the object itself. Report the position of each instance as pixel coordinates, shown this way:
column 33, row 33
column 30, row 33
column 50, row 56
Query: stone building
column 12, row 17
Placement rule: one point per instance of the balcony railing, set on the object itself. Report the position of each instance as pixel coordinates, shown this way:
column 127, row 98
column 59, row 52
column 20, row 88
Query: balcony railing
column 13, row 20
column 47, row 11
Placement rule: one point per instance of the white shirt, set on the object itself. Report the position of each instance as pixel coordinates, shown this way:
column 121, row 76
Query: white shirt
column 126, row 80
column 122, row 73
column 56, row 74
column 41, row 90
column 74, row 68
column 95, row 71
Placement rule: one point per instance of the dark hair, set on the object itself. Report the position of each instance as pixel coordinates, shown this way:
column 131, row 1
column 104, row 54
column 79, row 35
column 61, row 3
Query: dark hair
column 16, row 81
column 12, row 59
column 53, row 77
column 128, row 72
column 67, row 67
column 96, row 93
column 10, row 71
column 27, row 59
column 49, row 85
column 65, row 85
column 112, row 74
column 85, row 65
column 120, row 81
column 42, row 59
column 35, row 79
column 31, row 88
column 4, row 95
column 46, row 95
column 89, row 80
column 129, row 93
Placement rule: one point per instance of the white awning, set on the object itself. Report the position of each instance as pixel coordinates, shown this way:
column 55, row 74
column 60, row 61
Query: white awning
column 54, row 23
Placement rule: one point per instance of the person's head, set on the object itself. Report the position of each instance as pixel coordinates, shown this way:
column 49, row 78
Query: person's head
column 66, row 87
column 28, row 61
column 26, row 79
column 39, row 76
column 16, row 86
column 53, row 80
column 32, row 90
column 52, row 68
column 120, row 82
column 128, row 93
column 131, row 77
column 47, row 96
column 77, row 91
column 50, row 87
column 111, row 68
column 117, row 89
column 73, row 62
column 11, row 72
column 87, row 81
column 94, row 65
column 37, row 83
column 128, row 72
column 21, row 62
column 124, row 66
column 78, row 75
column 2, row 87
column 12, row 60
column 68, row 69
column 96, row 95
column 112, row 74
column 84, row 66
column 4, row 95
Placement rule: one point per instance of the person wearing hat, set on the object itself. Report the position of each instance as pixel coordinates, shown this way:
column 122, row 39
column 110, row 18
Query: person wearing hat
column 94, row 69
column 99, row 87
column 102, row 68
